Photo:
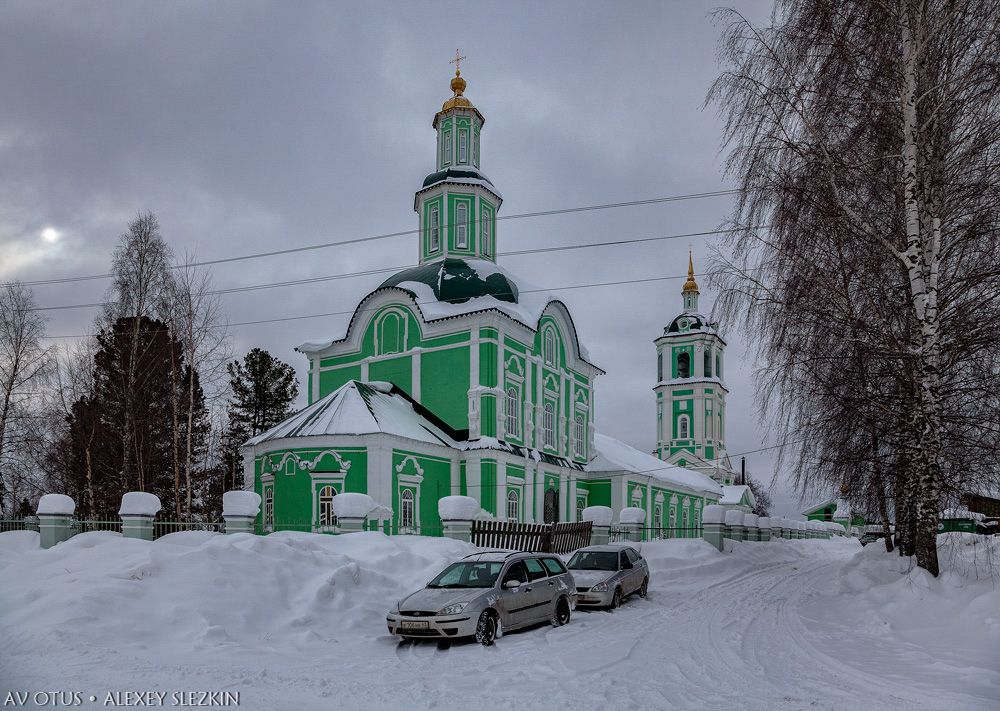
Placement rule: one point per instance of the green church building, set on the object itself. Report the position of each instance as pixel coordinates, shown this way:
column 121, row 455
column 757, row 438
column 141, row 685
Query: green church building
column 454, row 377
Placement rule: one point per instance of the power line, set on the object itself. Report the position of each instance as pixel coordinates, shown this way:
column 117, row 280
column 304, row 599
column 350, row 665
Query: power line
column 371, row 310
column 387, row 235
column 369, row 272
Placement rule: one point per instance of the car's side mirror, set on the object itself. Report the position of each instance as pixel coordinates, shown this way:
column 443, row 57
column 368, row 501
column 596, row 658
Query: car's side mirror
column 511, row 584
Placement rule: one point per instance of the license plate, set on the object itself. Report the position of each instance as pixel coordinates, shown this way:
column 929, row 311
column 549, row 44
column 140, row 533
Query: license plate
column 414, row 624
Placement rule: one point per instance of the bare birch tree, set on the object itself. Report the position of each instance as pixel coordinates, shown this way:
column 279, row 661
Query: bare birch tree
column 24, row 363
column 865, row 137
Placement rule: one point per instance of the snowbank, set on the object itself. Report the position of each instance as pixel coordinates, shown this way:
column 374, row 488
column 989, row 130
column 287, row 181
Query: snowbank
column 458, row 508
column 599, row 515
column 56, row 504
column 764, row 522
column 632, row 514
column 139, row 503
column 750, row 520
column 353, row 505
column 241, row 503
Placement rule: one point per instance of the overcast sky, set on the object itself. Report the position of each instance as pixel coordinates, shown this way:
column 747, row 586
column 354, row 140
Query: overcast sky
column 252, row 126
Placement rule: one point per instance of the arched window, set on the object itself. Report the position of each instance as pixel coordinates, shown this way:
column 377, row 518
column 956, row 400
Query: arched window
column 659, row 366
column 684, row 523
column 718, row 366
column 549, row 347
column 513, row 407
column 549, row 425
column 513, row 506
column 579, row 436
column 435, row 229
column 390, row 334
column 463, row 145
column 462, row 226
column 683, row 427
column 485, row 229
column 637, row 497
column 447, row 148
column 658, row 519
column 672, row 533
column 406, row 510
column 709, row 425
column 550, row 508
column 269, row 507
column 683, row 365
column 708, row 362
column 326, row 517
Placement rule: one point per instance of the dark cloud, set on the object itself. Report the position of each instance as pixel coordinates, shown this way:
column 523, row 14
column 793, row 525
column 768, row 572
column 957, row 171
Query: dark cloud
column 249, row 126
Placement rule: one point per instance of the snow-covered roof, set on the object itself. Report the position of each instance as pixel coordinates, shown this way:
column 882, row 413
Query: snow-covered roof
column 842, row 509
column 614, row 455
column 359, row 408
column 457, row 287
column 733, row 495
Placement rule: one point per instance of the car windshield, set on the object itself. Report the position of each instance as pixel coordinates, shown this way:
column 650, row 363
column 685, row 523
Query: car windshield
column 594, row 560
column 468, row 575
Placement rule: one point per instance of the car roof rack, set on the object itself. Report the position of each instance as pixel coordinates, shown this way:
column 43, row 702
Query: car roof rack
column 508, row 553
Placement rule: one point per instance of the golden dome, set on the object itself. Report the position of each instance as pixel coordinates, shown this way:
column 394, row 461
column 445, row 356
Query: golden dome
column 690, row 285
column 458, row 88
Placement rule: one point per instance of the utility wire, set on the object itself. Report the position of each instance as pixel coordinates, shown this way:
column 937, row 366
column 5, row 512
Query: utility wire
column 418, row 302
column 381, row 270
column 371, row 238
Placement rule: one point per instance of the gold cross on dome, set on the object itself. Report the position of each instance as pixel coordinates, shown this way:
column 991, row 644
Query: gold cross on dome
column 457, row 62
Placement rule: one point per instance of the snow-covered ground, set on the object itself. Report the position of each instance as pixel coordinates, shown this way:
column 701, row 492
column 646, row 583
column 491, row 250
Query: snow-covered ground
column 297, row 621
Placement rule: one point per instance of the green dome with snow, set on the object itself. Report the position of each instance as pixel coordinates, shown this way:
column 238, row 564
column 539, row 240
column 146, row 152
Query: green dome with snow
column 456, row 280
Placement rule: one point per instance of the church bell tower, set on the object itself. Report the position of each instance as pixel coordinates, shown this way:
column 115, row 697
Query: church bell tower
column 690, row 389
column 457, row 204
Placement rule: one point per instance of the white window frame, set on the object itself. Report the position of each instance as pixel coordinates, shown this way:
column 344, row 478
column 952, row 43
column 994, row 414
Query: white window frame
column 513, row 419
column 326, row 516
column 579, row 434
column 435, row 229
column 683, row 427
column 461, row 225
column 513, row 505
column 485, row 231
column 475, row 148
column 549, row 347
column 549, row 425
column 463, row 146
column 406, row 496
column 447, row 148
column 269, row 507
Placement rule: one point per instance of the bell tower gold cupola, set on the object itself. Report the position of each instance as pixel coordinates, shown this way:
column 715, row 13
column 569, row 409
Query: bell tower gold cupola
column 457, row 204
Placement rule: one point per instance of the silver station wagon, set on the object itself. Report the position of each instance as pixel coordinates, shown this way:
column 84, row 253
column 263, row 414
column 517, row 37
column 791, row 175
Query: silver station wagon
column 485, row 594
column 606, row 575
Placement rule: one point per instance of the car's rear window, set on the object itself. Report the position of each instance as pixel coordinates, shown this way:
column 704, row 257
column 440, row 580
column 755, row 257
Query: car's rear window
column 554, row 566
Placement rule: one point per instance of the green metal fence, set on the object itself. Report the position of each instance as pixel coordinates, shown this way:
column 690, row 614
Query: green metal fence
column 28, row 523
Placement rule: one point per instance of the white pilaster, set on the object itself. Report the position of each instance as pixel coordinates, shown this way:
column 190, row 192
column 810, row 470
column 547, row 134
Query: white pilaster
column 364, row 370
column 501, row 493
column 415, row 374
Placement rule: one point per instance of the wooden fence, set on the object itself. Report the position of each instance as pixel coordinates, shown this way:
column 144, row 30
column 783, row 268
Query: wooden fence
column 531, row 537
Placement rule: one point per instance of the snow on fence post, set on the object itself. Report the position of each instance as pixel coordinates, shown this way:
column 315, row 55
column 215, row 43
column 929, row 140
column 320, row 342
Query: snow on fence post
column 734, row 525
column 632, row 518
column 750, row 527
column 352, row 509
column 55, row 519
column 764, row 528
column 800, row 530
column 239, row 510
column 137, row 512
column 713, row 519
column 457, row 514
column 600, row 523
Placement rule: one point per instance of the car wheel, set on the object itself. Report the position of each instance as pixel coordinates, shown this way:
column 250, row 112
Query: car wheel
column 644, row 588
column 561, row 615
column 616, row 600
column 486, row 629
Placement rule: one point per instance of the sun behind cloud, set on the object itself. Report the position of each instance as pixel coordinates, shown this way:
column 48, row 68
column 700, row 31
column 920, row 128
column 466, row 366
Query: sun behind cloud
column 51, row 235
